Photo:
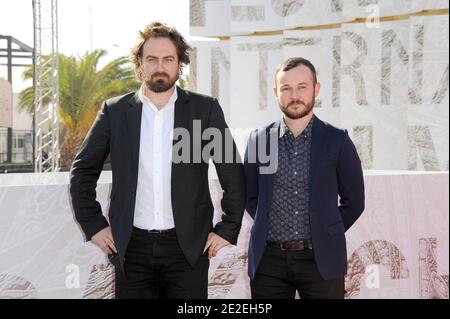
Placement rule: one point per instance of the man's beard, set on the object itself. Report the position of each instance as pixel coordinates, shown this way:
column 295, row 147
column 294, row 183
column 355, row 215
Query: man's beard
column 160, row 82
column 297, row 114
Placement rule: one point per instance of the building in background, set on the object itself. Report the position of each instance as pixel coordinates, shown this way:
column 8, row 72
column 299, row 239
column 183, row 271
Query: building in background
column 16, row 128
column 22, row 136
column 383, row 67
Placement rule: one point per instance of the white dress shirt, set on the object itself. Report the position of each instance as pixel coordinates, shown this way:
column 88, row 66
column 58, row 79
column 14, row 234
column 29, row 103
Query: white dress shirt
column 153, row 195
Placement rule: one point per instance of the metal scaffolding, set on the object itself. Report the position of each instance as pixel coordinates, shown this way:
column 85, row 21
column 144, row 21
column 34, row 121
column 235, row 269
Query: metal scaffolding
column 46, row 100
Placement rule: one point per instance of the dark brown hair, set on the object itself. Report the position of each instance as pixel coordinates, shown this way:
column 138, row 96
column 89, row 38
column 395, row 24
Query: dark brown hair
column 159, row 30
column 291, row 63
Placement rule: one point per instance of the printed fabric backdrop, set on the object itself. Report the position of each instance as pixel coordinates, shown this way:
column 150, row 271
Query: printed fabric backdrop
column 397, row 249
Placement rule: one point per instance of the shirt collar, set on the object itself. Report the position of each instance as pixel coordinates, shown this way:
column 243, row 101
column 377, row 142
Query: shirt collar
column 145, row 100
column 306, row 132
column 283, row 128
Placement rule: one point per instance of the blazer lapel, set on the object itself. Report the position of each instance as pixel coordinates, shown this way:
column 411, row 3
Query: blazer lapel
column 134, row 117
column 182, row 111
column 318, row 145
column 182, row 119
column 269, row 178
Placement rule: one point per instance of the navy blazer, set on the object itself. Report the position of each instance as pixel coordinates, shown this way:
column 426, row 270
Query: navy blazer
column 335, row 169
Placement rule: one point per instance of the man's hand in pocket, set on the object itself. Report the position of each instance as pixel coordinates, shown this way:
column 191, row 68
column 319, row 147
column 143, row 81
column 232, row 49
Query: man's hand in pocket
column 104, row 240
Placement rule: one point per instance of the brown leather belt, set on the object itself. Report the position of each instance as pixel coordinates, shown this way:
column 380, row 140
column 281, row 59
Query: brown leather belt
column 292, row 245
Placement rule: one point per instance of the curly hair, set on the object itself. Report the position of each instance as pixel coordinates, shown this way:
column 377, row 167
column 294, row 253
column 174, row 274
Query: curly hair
column 159, row 30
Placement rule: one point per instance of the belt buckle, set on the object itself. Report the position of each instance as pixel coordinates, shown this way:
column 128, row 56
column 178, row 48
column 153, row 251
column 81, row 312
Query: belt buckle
column 156, row 231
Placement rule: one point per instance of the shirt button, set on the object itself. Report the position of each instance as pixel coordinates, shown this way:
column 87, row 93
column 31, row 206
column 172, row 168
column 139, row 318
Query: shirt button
column 295, row 153
column 296, row 232
column 296, row 213
column 295, row 173
column 295, row 192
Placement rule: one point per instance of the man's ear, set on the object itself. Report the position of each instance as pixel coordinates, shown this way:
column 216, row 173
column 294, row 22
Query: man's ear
column 317, row 88
column 275, row 91
column 139, row 64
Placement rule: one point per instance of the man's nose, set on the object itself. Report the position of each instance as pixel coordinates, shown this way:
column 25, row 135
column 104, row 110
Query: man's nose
column 159, row 65
column 295, row 94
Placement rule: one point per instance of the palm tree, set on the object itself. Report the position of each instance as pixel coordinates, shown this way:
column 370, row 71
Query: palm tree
column 82, row 88
column 183, row 81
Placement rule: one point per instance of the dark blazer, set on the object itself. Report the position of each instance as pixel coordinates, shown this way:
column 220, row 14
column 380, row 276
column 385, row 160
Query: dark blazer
column 116, row 132
column 335, row 169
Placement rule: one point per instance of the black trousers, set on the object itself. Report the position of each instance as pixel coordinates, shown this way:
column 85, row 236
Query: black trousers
column 155, row 267
column 281, row 273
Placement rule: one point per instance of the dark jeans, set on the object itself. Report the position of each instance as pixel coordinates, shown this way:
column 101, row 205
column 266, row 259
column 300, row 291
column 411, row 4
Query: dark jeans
column 155, row 267
column 281, row 273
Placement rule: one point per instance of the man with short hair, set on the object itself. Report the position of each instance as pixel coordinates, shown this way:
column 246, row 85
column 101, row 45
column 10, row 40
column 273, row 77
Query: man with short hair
column 298, row 238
